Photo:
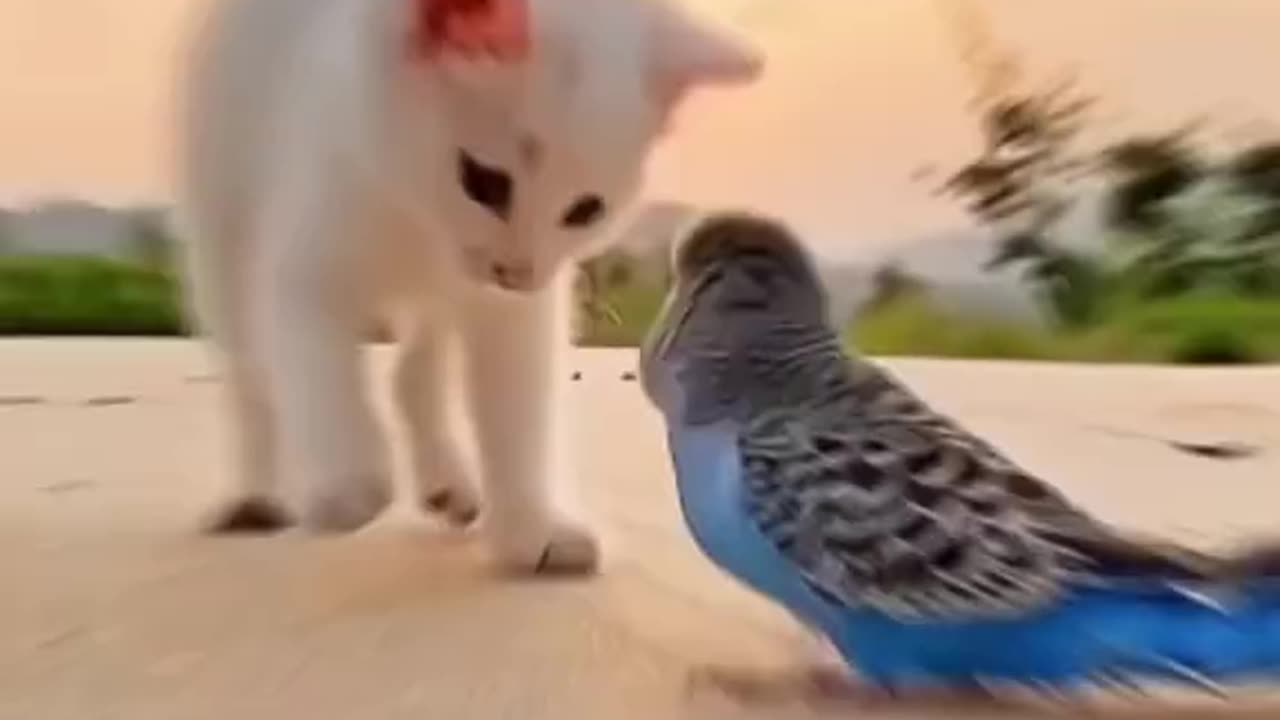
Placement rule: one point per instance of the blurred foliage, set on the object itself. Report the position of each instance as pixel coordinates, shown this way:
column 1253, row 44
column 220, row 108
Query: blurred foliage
column 1019, row 185
column 1195, row 329
column 1212, row 237
column 636, row 306
column 892, row 282
column 596, row 278
column 618, row 295
column 1188, row 330
column 65, row 295
column 1180, row 226
column 1146, row 171
column 912, row 325
column 93, row 296
column 1028, row 134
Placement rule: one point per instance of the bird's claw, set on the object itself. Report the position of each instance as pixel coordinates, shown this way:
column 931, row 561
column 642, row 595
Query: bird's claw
column 823, row 686
column 817, row 685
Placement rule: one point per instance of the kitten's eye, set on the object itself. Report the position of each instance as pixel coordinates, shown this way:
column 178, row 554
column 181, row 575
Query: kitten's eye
column 584, row 211
column 486, row 186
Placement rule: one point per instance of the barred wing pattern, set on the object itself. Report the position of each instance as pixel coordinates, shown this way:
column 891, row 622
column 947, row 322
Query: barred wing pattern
column 884, row 503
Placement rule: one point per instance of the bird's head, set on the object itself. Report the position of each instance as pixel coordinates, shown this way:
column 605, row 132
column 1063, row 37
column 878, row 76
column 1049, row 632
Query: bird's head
column 743, row 286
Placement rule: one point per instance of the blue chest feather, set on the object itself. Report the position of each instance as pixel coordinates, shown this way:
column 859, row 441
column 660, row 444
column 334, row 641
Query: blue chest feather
column 712, row 503
column 1091, row 635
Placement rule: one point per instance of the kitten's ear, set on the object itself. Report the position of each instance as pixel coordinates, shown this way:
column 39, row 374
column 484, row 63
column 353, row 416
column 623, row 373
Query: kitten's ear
column 691, row 52
column 493, row 29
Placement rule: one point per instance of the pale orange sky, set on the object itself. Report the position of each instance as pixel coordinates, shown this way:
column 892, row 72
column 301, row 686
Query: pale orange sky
column 859, row 93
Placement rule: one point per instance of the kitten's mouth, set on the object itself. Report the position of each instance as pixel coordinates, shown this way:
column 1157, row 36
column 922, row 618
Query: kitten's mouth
column 516, row 281
column 512, row 277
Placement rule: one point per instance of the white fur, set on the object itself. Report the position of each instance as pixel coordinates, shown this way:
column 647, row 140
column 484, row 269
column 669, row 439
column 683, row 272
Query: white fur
column 321, row 194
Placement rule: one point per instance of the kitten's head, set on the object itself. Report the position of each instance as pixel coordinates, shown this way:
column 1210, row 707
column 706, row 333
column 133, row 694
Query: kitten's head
column 552, row 107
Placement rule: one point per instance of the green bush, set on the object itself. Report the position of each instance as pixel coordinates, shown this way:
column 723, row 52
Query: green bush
column 636, row 307
column 1196, row 330
column 94, row 296
column 1187, row 330
column 63, row 295
column 911, row 325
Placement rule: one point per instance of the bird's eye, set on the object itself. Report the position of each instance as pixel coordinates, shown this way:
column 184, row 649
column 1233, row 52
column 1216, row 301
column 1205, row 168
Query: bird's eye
column 583, row 212
column 489, row 187
column 760, row 275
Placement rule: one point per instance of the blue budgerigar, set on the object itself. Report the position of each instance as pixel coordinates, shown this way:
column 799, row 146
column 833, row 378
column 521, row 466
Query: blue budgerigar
column 920, row 552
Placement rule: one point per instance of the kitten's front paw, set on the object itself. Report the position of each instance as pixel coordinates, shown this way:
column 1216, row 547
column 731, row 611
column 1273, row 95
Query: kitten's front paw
column 346, row 504
column 458, row 504
column 249, row 515
column 445, row 484
column 571, row 550
column 567, row 548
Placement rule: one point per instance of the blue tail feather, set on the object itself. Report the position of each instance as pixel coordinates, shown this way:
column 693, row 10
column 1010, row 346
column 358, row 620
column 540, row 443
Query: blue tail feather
column 1164, row 636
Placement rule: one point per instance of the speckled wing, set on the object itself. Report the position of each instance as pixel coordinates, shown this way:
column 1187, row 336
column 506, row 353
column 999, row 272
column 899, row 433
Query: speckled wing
column 883, row 503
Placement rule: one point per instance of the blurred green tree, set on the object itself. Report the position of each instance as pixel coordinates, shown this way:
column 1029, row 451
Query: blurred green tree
column 1176, row 222
column 1020, row 183
column 892, row 282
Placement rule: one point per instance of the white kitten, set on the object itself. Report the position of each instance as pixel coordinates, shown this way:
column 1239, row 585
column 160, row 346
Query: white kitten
column 437, row 163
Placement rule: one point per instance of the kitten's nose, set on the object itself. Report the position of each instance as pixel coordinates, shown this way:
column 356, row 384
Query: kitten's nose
column 512, row 276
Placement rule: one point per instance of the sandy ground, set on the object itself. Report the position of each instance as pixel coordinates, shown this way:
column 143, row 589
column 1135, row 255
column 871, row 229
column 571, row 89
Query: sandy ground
column 111, row 606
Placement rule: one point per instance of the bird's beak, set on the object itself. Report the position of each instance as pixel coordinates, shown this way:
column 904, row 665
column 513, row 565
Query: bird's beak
column 662, row 336
column 674, row 318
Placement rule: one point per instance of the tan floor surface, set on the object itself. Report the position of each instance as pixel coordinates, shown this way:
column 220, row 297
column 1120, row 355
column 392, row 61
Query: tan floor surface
column 111, row 606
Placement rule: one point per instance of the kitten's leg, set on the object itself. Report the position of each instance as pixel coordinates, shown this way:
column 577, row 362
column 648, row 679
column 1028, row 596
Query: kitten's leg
column 514, row 344
column 421, row 381
column 312, row 328
column 256, row 506
column 215, row 299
